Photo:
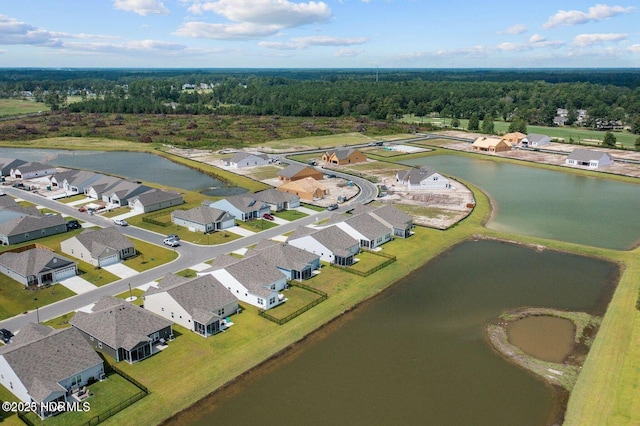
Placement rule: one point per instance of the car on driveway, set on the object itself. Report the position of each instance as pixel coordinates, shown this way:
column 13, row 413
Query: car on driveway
column 5, row 335
column 267, row 216
column 332, row 207
column 120, row 222
column 173, row 237
column 73, row 224
column 171, row 242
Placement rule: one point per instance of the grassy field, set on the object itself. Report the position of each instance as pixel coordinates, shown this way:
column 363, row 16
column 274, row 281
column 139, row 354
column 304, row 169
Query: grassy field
column 149, row 256
column 317, row 142
column 11, row 107
column 256, row 225
column 290, row 215
column 580, row 135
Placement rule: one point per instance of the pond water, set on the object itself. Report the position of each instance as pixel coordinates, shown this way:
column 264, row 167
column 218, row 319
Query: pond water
column 417, row 354
column 550, row 204
column 545, row 337
column 135, row 165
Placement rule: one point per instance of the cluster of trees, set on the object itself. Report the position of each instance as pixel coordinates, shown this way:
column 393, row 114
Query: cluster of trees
column 522, row 97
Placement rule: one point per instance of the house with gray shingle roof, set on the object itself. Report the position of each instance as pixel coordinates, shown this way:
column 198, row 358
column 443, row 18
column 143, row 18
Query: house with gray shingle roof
column 242, row 207
column 101, row 186
column 43, row 365
column 278, row 200
column 7, row 164
column 100, row 247
column 32, row 170
column 294, row 262
column 37, row 266
column 19, row 224
column 155, row 199
column 389, row 215
column 246, row 159
column 533, row 140
column 120, row 194
column 332, row 244
column 344, row 156
column 369, row 231
column 203, row 219
column 199, row 304
column 422, row 178
column 122, row 330
column 589, row 158
column 298, row 171
column 251, row 280
column 80, row 182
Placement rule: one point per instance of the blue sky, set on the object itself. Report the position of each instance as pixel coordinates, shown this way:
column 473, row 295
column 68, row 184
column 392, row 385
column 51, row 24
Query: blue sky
column 319, row 34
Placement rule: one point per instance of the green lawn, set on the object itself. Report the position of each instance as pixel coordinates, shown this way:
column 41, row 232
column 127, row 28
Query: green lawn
column 187, row 273
column 368, row 260
column 256, row 225
column 290, row 215
column 265, row 172
column 61, row 321
column 297, row 297
column 313, row 207
column 136, row 292
column 149, row 256
column 16, row 299
column 115, row 212
column 11, row 107
column 72, row 198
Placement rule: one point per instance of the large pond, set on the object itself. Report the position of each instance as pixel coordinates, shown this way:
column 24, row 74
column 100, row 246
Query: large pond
column 550, row 204
column 136, row 165
column 418, row 354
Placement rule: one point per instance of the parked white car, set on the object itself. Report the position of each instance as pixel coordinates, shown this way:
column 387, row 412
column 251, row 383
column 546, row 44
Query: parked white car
column 120, row 222
column 171, row 242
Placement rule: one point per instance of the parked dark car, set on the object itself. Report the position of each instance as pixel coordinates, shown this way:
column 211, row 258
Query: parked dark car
column 267, row 216
column 73, row 224
column 5, row 335
column 332, row 207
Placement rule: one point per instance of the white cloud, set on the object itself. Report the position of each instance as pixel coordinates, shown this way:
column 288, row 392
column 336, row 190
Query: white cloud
column 142, row 7
column 634, row 48
column 515, row 29
column 281, row 13
column 348, row 53
column 240, row 31
column 329, row 41
column 13, row 31
column 583, row 40
column 536, row 38
column 513, row 47
column 598, row 12
column 280, row 45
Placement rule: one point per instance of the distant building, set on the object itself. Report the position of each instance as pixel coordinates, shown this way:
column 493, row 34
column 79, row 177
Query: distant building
column 588, row 158
column 246, row 159
column 533, row 140
column 299, row 171
column 422, row 178
column 307, row 189
column 344, row 156
column 490, row 144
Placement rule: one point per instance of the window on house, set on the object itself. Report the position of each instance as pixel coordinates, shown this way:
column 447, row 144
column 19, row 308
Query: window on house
column 260, row 301
column 272, row 300
column 221, row 311
column 100, row 344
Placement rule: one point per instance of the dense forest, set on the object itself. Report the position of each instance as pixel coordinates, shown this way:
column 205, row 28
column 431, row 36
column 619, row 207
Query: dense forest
column 527, row 96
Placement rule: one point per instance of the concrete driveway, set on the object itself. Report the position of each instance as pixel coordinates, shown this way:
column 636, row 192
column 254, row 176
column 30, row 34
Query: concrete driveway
column 121, row 270
column 240, row 231
column 78, row 285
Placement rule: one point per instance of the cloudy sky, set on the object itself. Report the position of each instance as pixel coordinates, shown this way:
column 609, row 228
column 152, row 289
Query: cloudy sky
column 319, row 33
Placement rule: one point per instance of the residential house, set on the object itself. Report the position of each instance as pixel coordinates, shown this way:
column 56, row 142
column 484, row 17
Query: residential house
column 490, row 144
column 32, row 170
column 18, row 224
column 344, row 156
column 80, row 182
column 389, row 215
column 589, row 158
column 36, row 266
column 155, row 199
column 422, row 178
column 8, row 164
column 122, row 330
column 366, row 229
column 101, row 186
column 242, row 207
column 534, row 140
column 203, row 219
column 252, row 280
column 297, row 171
column 278, row 200
column 332, row 244
column 246, row 159
column 100, row 247
column 199, row 304
column 119, row 194
column 58, row 179
column 295, row 263
column 307, row 189
column 513, row 138
column 43, row 365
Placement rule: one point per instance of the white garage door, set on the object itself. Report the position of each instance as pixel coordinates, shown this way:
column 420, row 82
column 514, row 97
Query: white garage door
column 64, row 273
column 110, row 260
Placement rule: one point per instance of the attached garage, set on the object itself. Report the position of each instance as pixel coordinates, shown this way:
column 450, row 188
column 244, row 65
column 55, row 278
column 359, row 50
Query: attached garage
column 61, row 274
column 108, row 260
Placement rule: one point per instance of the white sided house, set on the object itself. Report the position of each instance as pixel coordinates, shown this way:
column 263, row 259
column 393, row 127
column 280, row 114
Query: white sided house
column 155, row 199
column 32, row 170
column 37, row 266
column 199, row 304
column 588, row 158
column 370, row 232
column 422, row 179
column 43, row 365
column 252, row 280
column 203, row 219
column 246, row 159
column 242, row 207
column 332, row 244
column 534, row 140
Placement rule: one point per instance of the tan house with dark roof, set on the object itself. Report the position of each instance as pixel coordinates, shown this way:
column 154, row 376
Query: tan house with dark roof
column 122, row 330
column 100, row 247
column 44, row 365
column 490, row 144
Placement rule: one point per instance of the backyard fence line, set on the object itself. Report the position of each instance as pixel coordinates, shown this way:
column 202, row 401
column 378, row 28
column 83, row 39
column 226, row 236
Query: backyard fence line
column 323, row 296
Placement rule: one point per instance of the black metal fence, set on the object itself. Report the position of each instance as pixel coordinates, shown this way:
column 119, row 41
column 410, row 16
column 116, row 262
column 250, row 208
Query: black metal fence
column 389, row 261
column 323, row 296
